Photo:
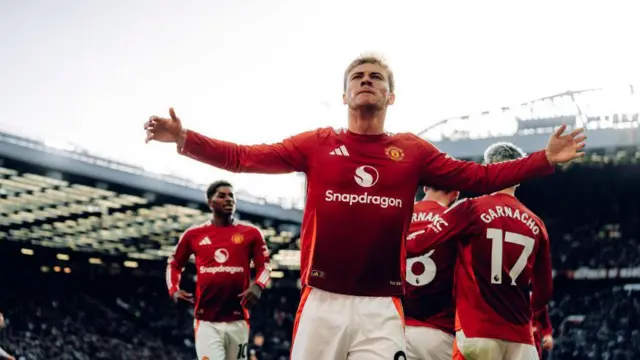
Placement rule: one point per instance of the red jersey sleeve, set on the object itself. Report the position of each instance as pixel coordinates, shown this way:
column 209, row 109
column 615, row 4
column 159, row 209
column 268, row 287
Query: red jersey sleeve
column 543, row 320
column 542, row 280
column 444, row 172
column 177, row 261
column 454, row 224
column 260, row 257
column 287, row 156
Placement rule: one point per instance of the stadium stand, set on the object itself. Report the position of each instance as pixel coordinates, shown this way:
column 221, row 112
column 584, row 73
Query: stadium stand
column 59, row 223
column 41, row 206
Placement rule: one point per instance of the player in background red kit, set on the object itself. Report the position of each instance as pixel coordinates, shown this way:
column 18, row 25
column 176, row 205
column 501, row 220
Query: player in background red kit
column 503, row 253
column 361, row 184
column 223, row 250
column 428, row 301
column 542, row 330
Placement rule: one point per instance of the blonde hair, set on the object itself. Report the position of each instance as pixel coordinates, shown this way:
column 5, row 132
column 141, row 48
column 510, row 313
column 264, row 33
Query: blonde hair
column 370, row 58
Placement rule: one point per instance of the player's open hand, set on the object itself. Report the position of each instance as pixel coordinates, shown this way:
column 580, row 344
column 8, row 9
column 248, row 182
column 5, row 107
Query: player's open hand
column 547, row 342
column 164, row 129
column 250, row 296
column 183, row 295
column 563, row 148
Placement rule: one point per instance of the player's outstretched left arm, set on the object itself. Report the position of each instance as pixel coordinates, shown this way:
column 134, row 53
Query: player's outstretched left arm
column 454, row 223
column 441, row 171
column 260, row 257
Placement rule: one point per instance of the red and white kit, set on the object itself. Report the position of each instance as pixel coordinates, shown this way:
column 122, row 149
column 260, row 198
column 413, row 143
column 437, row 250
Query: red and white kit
column 428, row 301
column 503, row 253
column 223, row 255
column 360, row 192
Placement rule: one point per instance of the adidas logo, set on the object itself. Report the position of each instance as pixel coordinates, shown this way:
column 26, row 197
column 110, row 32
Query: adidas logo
column 205, row 241
column 341, row 151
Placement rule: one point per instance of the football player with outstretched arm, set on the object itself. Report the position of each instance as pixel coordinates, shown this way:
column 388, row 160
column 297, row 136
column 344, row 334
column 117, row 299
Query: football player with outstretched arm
column 361, row 183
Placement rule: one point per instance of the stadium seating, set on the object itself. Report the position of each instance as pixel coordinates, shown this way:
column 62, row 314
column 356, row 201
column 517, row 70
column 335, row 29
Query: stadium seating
column 603, row 324
column 39, row 210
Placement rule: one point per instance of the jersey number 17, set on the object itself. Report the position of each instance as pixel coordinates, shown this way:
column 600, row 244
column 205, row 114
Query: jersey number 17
column 498, row 238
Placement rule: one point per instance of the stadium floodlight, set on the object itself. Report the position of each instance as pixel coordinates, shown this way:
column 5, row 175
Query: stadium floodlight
column 131, row 264
column 25, row 251
column 56, row 268
column 277, row 274
column 95, row 261
column 67, row 270
column 63, row 257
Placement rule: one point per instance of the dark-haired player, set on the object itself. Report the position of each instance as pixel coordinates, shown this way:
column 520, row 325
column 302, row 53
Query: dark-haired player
column 503, row 253
column 223, row 250
column 361, row 183
column 428, row 302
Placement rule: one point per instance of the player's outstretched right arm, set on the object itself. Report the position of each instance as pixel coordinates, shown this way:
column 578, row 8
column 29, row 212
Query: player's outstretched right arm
column 175, row 265
column 287, row 156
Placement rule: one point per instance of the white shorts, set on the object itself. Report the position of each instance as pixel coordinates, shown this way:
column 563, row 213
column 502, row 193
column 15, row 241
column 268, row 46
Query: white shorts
column 425, row 343
column 492, row 349
column 332, row 326
column 221, row 340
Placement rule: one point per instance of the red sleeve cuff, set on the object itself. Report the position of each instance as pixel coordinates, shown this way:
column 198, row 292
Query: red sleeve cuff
column 181, row 149
column 545, row 166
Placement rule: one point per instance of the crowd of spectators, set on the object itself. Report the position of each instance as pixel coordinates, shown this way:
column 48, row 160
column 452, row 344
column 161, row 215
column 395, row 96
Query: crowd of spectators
column 597, row 325
column 74, row 324
column 591, row 214
column 123, row 319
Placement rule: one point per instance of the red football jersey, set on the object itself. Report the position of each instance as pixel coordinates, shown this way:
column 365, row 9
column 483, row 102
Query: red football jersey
column 503, row 252
column 360, row 192
column 428, row 299
column 223, row 256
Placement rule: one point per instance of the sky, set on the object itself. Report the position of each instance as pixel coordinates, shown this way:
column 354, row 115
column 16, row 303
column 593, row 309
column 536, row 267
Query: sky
column 91, row 73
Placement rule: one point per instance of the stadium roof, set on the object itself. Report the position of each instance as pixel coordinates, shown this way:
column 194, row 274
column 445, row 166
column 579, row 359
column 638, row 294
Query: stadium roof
column 610, row 116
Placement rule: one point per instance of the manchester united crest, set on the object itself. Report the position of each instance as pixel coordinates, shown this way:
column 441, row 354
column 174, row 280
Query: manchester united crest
column 394, row 153
column 237, row 239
